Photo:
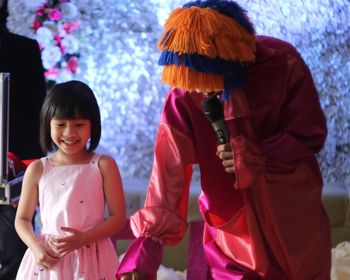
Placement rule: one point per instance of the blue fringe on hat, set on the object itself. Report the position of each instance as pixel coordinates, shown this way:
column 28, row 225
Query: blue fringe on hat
column 228, row 8
column 202, row 63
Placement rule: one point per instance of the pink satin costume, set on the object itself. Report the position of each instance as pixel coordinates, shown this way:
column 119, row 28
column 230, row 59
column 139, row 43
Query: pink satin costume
column 266, row 221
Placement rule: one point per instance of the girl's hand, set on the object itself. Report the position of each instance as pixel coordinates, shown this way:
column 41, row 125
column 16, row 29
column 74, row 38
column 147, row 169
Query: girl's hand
column 67, row 244
column 44, row 257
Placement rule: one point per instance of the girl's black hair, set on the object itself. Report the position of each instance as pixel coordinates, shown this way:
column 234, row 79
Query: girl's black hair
column 69, row 100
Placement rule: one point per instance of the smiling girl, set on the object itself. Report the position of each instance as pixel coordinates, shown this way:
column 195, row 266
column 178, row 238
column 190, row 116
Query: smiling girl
column 72, row 185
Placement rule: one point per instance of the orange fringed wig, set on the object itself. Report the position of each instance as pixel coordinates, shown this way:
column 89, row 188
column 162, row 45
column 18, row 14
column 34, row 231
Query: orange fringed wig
column 207, row 46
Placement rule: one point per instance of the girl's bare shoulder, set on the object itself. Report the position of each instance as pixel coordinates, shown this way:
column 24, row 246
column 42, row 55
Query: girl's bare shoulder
column 34, row 169
column 106, row 163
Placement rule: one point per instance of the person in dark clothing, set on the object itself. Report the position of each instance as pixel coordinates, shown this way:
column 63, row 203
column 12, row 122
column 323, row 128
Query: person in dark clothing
column 19, row 56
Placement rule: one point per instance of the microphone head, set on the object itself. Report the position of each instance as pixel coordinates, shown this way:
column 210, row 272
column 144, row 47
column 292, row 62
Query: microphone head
column 212, row 108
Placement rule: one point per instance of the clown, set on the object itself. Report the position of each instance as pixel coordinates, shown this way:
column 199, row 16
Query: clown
column 261, row 192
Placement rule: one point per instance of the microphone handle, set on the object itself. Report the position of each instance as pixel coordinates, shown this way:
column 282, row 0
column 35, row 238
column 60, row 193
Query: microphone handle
column 221, row 131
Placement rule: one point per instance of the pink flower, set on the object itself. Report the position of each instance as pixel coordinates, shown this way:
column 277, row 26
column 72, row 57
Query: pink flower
column 66, row 27
column 36, row 24
column 52, row 73
column 73, row 64
column 58, row 39
column 70, row 27
column 40, row 11
column 74, row 25
column 55, row 14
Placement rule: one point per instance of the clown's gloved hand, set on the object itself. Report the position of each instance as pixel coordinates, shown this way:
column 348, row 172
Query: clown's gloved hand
column 242, row 158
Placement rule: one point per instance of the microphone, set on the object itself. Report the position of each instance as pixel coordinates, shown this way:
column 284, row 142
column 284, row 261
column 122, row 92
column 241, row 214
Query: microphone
column 212, row 109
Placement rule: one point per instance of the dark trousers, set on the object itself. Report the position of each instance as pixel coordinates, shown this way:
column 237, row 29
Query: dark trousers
column 12, row 248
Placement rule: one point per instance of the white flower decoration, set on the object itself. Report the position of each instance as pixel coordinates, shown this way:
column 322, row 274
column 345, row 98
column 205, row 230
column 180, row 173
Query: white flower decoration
column 61, row 32
column 69, row 11
column 70, row 44
column 51, row 26
column 51, row 56
column 44, row 36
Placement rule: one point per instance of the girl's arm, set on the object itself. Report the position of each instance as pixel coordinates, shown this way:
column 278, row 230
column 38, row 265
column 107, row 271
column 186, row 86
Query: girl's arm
column 26, row 208
column 114, row 196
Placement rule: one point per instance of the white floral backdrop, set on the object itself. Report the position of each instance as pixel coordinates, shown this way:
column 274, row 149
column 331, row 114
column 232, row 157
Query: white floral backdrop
column 118, row 59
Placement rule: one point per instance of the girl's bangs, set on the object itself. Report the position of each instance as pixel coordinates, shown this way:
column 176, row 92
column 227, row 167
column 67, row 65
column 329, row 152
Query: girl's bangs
column 68, row 112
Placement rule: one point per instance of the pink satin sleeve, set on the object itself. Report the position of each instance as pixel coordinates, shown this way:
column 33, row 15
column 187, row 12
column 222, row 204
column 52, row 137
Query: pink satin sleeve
column 144, row 254
column 163, row 220
column 164, row 216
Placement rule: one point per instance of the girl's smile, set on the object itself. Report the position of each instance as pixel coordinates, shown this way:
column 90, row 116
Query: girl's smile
column 71, row 136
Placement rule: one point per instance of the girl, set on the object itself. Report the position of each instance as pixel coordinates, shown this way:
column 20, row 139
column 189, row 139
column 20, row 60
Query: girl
column 72, row 185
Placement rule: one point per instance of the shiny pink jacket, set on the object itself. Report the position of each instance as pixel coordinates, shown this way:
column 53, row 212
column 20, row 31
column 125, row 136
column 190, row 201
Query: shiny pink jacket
column 266, row 220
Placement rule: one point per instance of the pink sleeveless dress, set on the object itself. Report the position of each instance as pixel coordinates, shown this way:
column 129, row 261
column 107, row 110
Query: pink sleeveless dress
column 72, row 196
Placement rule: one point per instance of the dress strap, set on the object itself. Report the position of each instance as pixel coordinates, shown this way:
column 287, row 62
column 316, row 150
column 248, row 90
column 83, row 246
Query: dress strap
column 95, row 158
column 47, row 164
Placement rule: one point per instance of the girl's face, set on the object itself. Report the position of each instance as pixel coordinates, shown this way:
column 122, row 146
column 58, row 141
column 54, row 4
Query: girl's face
column 70, row 136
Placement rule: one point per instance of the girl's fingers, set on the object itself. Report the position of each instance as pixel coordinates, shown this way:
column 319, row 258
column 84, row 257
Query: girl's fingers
column 62, row 251
column 68, row 229
column 60, row 248
column 51, row 259
column 47, row 263
column 59, row 241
